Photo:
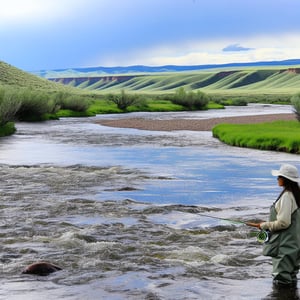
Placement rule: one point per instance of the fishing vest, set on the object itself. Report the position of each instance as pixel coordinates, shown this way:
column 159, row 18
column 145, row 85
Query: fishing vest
column 286, row 241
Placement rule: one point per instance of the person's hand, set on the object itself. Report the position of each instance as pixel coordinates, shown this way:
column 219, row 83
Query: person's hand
column 257, row 225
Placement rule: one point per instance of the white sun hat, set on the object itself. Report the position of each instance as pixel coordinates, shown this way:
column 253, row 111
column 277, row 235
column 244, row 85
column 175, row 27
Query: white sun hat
column 288, row 171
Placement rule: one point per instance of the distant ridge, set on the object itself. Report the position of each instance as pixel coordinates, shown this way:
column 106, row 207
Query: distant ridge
column 157, row 69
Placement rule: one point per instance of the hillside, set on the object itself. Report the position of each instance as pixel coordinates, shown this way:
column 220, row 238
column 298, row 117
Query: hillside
column 12, row 76
column 271, row 79
column 247, row 80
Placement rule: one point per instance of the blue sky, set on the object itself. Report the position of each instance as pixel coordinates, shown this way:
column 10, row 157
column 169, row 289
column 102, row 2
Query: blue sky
column 52, row 34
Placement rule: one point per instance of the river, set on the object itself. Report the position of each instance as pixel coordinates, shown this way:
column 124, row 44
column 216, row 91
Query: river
column 122, row 211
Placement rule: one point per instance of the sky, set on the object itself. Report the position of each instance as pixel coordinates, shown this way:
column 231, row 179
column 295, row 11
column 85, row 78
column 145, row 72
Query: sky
column 57, row 34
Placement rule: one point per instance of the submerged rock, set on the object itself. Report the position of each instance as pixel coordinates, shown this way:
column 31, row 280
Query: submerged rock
column 41, row 268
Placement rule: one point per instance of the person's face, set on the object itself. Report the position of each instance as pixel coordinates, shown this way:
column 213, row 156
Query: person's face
column 280, row 181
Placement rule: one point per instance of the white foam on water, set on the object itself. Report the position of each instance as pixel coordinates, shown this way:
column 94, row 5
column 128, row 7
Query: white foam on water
column 220, row 259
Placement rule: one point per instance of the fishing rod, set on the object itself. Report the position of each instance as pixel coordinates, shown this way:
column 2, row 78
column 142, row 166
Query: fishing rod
column 262, row 236
column 223, row 219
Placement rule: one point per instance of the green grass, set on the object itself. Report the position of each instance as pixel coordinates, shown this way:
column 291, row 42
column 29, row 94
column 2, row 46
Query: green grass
column 7, row 129
column 64, row 113
column 277, row 136
column 213, row 105
column 11, row 76
column 150, row 105
column 103, row 107
column 162, row 105
column 106, row 107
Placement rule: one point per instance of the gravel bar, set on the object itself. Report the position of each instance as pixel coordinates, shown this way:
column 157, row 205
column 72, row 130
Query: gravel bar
column 191, row 124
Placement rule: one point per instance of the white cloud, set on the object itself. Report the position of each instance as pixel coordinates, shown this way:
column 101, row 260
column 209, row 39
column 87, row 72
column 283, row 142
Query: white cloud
column 198, row 58
column 263, row 48
column 17, row 12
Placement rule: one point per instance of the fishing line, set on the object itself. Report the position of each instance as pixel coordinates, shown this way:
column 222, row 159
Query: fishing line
column 262, row 236
column 223, row 219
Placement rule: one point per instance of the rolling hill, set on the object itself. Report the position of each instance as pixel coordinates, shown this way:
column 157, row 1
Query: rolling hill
column 12, row 76
column 273, row 78
column 251, row 80
column 140, row 69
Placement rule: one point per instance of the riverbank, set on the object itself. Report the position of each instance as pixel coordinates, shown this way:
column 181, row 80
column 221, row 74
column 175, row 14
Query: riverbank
column 192, row 124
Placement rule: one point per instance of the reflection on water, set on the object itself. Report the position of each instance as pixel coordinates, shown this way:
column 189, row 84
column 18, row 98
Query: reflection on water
column 120, row 211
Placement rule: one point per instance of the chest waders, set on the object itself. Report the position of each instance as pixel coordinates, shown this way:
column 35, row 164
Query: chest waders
column 284, row 248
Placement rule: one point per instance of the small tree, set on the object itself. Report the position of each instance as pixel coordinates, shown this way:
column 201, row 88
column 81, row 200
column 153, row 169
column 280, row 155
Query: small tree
column 123, row 101
column 180, row 96
column 295, row 101
column 200, row 100
column 190, row 100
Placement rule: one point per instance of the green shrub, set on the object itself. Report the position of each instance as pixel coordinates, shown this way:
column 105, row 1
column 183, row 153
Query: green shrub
column 9, row 105
column 7, row 129
column 295, row 101
column 191, row 100
column 75, row 103
column 141, row 103
column 34, row 105
column 123, row 100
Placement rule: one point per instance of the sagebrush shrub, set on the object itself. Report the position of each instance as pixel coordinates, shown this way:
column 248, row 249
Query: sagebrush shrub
column 295, row 101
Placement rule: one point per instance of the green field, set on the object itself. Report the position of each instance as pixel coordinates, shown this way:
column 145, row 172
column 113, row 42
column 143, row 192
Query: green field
column 277, row 136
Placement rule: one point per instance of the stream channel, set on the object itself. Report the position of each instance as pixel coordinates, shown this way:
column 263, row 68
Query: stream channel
column 120, row 211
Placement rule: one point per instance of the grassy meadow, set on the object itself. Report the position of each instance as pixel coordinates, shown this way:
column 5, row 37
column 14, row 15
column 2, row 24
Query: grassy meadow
column 276, row 136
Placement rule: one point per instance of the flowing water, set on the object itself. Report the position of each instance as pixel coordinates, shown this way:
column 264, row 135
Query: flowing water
column 122, row 211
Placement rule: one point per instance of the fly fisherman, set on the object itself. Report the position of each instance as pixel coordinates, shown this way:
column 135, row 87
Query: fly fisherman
column 284, row 225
